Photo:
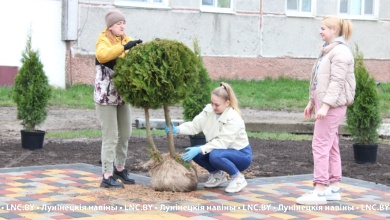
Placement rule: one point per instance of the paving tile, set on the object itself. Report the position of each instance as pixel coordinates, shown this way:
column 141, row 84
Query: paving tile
column 66, row 192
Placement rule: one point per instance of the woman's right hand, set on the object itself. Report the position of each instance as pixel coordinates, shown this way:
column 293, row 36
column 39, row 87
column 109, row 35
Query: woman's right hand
column 308, row 110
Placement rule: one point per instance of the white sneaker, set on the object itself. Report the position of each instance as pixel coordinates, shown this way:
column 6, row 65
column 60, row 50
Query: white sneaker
column 215, row 180
column 332, row 195
column 236, row 184
column 312, row 198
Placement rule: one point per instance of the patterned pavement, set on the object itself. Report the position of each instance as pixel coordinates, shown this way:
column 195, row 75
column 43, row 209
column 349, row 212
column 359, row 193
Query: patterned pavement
column 72, row 191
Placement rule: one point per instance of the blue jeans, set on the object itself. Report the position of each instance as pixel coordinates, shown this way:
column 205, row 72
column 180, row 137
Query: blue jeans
column 229, row 160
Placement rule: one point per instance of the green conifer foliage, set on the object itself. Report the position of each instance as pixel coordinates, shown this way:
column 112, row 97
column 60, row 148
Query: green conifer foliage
column 156, row 73
column 363, row 117
column 199, row 97
column 32, row 90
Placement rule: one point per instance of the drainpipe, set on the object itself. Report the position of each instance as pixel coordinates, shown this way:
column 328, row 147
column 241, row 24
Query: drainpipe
column 261, row 28
column 69, row 32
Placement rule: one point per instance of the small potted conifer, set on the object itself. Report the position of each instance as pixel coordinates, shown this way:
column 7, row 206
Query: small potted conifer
column 31, row 95
column 363, row 117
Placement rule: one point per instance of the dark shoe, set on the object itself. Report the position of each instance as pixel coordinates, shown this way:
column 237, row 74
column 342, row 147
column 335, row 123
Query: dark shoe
column 124, row 176
column 111, row 182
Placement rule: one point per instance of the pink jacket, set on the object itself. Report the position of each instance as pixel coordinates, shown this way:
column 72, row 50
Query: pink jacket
column 335, row 76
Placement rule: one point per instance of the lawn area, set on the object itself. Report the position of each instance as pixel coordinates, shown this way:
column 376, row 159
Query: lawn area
column 268, row 94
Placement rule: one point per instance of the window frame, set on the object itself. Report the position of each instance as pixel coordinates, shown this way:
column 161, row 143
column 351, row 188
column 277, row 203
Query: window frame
column 215, row 9
column 299, row 13
column 362, row 16
column 148, row 4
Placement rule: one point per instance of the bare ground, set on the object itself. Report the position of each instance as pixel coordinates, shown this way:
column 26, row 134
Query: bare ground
column 270, row 157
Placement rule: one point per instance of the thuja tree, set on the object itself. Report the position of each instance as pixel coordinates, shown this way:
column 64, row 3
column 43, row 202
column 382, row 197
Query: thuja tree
column 32, row 90
column 363, row 117
column 156, row 74
column 197, row 99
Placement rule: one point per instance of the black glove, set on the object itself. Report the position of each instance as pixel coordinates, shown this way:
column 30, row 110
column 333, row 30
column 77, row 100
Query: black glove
column 131, row 44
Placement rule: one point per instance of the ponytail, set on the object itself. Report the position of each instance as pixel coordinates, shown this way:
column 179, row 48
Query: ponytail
column 343, row 26
column 226, row 92
column 346, row 29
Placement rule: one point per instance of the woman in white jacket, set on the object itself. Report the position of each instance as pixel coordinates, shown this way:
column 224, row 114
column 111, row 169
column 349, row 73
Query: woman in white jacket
column 332, row 89
column 227, row 148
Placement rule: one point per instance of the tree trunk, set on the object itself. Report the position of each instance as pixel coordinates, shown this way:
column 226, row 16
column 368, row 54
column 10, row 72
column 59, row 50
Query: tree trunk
column 149, row 133
column 170, row 133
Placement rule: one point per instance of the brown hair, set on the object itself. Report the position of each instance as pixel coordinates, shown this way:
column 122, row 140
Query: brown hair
column 343, row 26
column 225, row 91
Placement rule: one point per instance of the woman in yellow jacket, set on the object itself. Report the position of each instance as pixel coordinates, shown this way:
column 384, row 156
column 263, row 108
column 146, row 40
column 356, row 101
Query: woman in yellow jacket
column 112, row 111
column 227, row 148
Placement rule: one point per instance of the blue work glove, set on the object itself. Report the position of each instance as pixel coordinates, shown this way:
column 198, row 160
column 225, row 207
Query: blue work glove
column 190, row 153
column 175, row 130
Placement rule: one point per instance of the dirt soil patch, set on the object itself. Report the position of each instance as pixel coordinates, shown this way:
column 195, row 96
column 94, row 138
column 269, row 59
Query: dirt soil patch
column 270, row 158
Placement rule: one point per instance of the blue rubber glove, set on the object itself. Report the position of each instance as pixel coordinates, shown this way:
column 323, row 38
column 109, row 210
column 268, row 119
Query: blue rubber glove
column 190, row 153
column 175, row 130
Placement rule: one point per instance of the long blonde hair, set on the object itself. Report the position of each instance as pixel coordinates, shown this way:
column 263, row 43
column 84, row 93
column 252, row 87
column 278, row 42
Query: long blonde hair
column 225, row 91
column 343, row 26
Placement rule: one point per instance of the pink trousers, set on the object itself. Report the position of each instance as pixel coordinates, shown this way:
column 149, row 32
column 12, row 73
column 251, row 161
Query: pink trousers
column 325, row 145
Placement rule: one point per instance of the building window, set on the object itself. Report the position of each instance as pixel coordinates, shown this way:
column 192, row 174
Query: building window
column 358, row 8
column 300, row 7
column 143, row 3
column 216, row 5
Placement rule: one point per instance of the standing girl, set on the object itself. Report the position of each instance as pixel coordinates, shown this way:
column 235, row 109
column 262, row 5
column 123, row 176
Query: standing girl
column 332, row 89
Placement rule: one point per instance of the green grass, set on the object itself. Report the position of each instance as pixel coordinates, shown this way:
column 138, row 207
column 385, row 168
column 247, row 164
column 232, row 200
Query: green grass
column 87, row 133
column 286, row 94
column 94, row 133
column 384, row 97
column 6, row 96
column 279, row 136
column 271, row 94
column 78, row 96
column 267, row 94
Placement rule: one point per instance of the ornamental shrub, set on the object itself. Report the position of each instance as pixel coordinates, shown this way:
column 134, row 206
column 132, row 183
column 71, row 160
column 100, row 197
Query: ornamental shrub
column 156, row 74
column 200, row 96
column 363, row 117
column 32, row 90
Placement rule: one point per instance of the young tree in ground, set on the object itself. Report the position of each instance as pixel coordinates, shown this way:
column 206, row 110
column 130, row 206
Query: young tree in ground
column 159, row 74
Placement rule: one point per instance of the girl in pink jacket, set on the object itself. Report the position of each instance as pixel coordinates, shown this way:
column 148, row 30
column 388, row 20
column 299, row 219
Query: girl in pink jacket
column 332, row 89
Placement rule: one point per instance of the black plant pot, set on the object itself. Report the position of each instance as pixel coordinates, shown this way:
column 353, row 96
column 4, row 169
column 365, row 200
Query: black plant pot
column 197, row 140
column 365, row 153
column 32, row 140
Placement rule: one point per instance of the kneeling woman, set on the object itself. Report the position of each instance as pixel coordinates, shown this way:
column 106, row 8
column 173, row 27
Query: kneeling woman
column 227, row 148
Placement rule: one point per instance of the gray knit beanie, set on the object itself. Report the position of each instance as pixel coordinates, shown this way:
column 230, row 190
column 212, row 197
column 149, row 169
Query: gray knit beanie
column 113, row 16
